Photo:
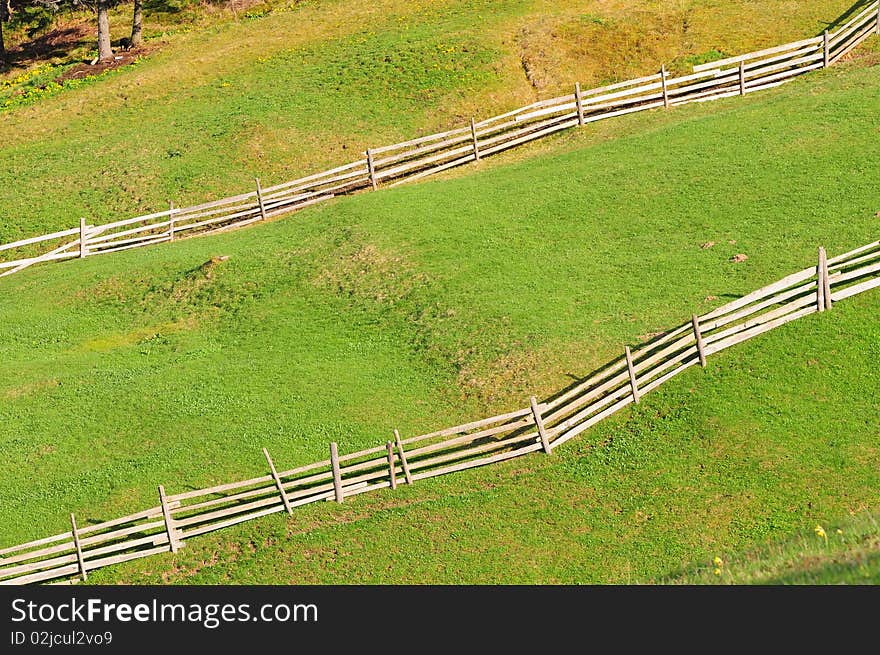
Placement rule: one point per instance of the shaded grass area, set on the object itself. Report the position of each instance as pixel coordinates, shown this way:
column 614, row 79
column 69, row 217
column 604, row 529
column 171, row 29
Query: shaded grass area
column 846, row 552
column 428, row 305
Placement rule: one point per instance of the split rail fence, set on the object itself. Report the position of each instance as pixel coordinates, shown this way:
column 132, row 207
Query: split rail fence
column 431, row 154
column 537, row 427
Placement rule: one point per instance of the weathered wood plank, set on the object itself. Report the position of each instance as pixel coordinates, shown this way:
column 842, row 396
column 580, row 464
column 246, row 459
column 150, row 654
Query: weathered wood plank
column 260, row 198
column 337, row 477
column 476, row 142
column 78, row 546
column 45, row 237
column 372, row 168
column 632, row 376
column 539, row 423
column 278, row 482
column 402, row 454
column 663, row 77
column 173, row 540
column 757, row 54
column 430, row 462
column 391, row 472
column 699, row 337
column 478, row 462
column 579, row 101
column 826, row 280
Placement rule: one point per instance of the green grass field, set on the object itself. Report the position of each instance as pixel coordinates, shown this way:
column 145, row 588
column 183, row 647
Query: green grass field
column 440, row 302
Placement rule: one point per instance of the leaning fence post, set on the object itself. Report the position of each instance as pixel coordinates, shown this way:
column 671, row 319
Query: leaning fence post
column 402, row 455
column 474, row 137
column 579, row 101
column 820, row 282
column 171, row 220
column 76, row 544
column 698, row 335
column 372, row 168
column 665, row 90
column 337, row 475
column 742, row 78
column 632, row 376
column 390, row 448
column 82, row 238
column 173, row 540
column 260, row 198
column 826, row 50
column 278, row 482
column 539, row 422
column 826, row 278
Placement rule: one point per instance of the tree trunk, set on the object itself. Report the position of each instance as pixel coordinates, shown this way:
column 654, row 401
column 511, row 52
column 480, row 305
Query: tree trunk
column 137, row 23
column 4, row 16
column 105, row 52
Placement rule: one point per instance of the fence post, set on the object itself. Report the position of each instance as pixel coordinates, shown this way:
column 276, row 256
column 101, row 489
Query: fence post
column 83, row 251
column 580, row 102
column 632, row 376
column 260, row 198
column 173, row 541
column 278, row 482
column 699, row 337
column 820, row 283
column 539, row 422
column 372, row 169
column 826, row 49
column 337, row 475
column 474, row 137
column 742, row 78
column 390, row 448
column 79, row 553
column 402, row 455
column 171, row 220
column 826, row 278
column 665, row 90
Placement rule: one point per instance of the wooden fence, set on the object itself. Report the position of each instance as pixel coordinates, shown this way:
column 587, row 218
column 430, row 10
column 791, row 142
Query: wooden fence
column 537, row 427
column 411, row 160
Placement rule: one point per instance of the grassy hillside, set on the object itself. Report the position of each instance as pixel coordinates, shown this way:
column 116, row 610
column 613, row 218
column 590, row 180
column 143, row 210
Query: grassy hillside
column 315, row 83
column 846, row 553
column 432, row 304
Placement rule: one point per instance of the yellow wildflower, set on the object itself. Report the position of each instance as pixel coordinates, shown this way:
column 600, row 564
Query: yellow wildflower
column 820, row 532
column 717, row 571
column 718, row 562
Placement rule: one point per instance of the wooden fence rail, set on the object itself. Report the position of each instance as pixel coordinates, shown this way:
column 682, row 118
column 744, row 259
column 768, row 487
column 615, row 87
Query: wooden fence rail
column 536, row 427
column 414, row 159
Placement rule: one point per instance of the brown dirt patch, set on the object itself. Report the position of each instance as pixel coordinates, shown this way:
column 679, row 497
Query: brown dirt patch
column 31, row 388
column 121, row 58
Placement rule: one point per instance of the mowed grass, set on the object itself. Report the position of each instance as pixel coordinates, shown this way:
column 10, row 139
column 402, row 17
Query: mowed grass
column 316, row 83
column 438, row 303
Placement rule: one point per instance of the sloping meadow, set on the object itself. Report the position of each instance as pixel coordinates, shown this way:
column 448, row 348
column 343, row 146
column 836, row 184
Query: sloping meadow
column 432, row 305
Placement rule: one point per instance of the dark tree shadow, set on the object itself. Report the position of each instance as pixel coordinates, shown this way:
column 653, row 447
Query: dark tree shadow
column 849, row 13
column 58, row 42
